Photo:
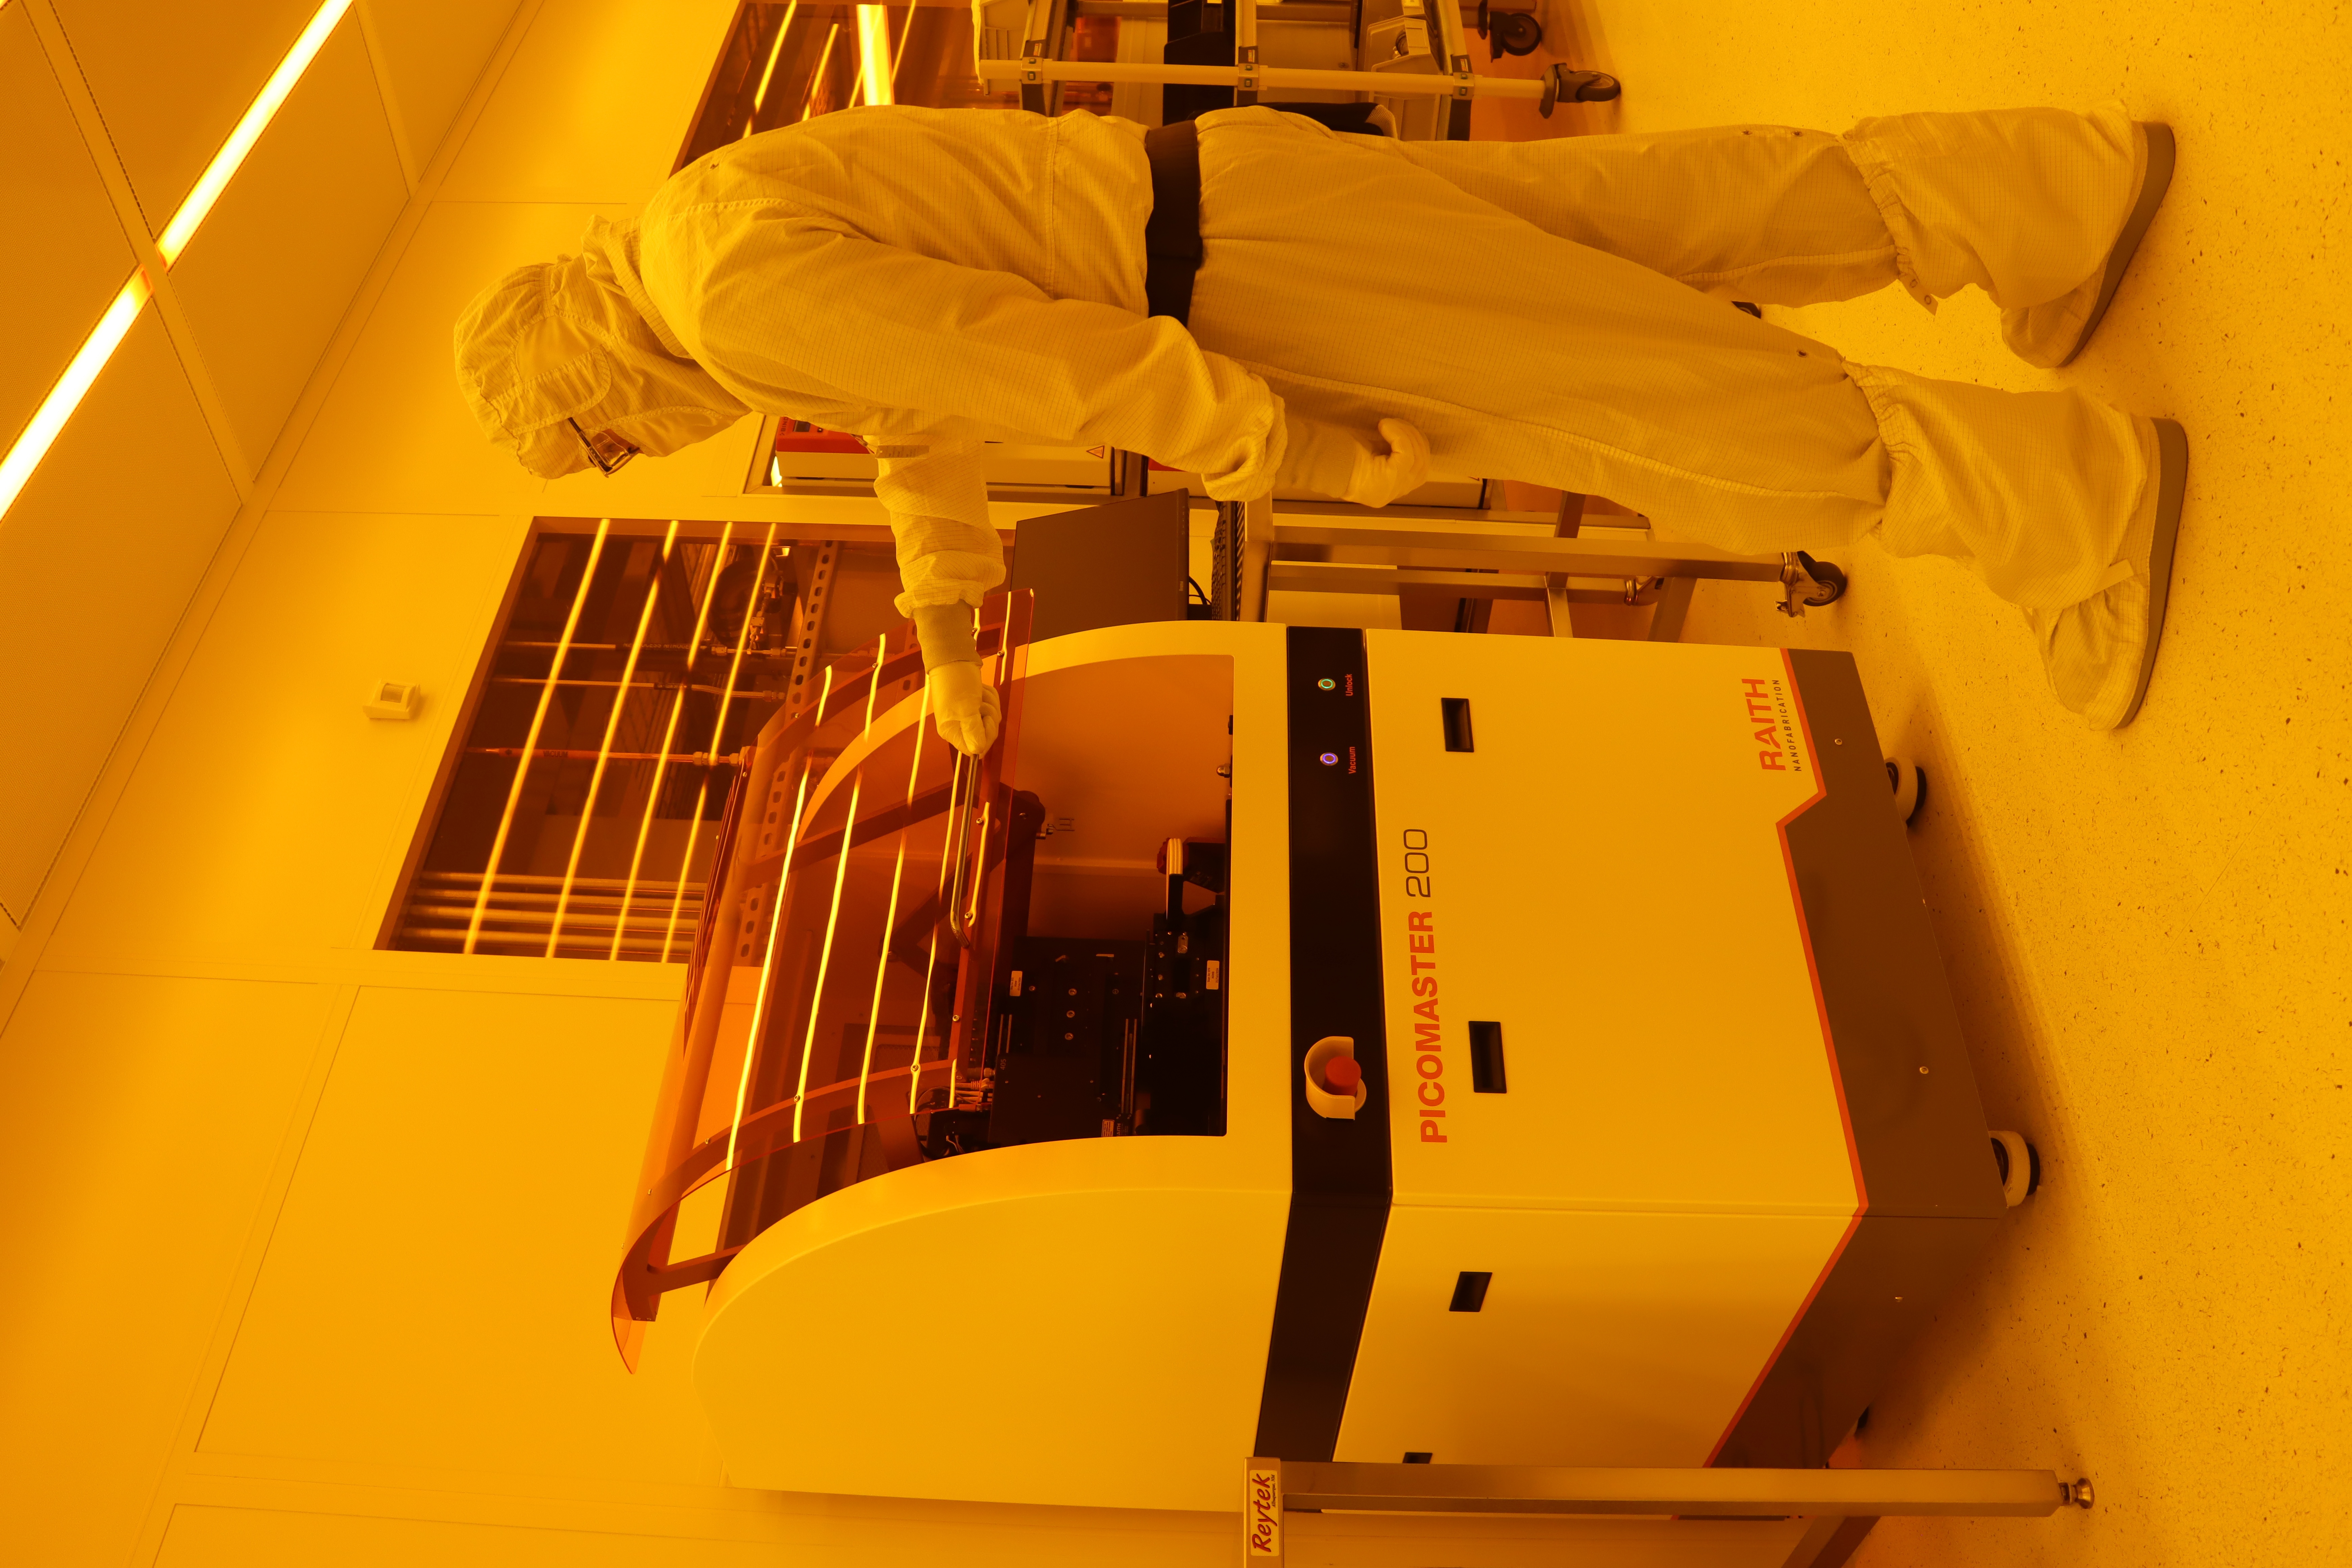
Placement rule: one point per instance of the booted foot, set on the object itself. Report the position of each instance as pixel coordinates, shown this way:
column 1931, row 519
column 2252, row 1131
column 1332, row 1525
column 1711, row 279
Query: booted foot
column 2052, row 335
column 2099, row 654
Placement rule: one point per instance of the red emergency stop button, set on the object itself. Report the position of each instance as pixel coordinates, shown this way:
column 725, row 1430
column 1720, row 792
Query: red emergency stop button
column 1333, row 1083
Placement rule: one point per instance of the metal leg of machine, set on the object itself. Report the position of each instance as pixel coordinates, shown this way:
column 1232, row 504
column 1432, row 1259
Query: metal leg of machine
column 1674, row 608
column 1256, row 557
column 1241, row 561
column 1513, row 564
column 1840, row 1505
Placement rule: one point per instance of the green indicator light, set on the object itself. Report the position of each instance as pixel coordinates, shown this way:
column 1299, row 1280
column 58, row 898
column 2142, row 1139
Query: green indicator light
column 1326, row 683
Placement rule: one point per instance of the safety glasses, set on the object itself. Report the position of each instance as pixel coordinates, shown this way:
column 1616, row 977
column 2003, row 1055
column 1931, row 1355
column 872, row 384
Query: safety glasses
column 606, row 450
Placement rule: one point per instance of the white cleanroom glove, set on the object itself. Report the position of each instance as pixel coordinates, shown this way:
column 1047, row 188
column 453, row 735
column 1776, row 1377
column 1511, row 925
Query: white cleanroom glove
column 944, row 634
column 1333, row 461
column 964, row 706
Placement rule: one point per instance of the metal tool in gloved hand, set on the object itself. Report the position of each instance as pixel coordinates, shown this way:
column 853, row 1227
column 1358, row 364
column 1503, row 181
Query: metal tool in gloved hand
column 963, row 705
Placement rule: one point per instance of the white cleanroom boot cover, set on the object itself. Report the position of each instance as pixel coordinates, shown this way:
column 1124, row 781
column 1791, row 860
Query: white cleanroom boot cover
column 2025, row 204
column 2048, row 335
column 2092, row 651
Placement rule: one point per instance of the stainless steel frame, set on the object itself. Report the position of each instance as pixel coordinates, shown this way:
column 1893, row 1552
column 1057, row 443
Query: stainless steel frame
column 1839, row 1506
column 1038, row 72
column 1496, row 555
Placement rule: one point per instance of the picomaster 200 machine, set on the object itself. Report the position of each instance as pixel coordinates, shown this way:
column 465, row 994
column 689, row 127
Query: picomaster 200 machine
column 1309, row 1043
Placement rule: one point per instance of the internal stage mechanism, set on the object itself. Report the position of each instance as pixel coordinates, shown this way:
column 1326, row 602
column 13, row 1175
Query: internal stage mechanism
column 1104, row 1036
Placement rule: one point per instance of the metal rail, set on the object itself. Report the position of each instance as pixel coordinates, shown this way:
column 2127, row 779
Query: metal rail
column 1457, row 548
column 1838, row 1505
column 1554, row 85
column 1725, row 1493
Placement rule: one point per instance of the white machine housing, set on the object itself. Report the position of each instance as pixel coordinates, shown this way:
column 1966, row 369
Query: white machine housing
column 1712, row 1150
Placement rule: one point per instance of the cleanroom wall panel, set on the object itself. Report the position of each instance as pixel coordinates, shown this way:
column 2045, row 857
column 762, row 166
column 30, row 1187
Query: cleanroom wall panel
column 247, row 1537
column 435, row 1290
column 141, row 1120
column 595, row 104
column 431, row 52
column 394, row 433
column 171, row 80
column 268, row 816
column 97, row 559
column 271, row 272
column 50, row 188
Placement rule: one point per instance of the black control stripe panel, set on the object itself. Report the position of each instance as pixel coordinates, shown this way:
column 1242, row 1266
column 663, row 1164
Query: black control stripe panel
column 1340, row 1172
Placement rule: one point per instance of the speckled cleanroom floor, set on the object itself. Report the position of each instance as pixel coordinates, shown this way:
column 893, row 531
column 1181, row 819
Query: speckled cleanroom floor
column 2146, row 930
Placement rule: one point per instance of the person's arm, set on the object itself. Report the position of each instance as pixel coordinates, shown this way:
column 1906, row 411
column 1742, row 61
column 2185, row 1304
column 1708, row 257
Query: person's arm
column 937, row 497
column 948, row 556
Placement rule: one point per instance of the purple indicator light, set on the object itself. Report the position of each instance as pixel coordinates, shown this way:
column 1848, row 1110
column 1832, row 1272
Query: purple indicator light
column 1331, row 759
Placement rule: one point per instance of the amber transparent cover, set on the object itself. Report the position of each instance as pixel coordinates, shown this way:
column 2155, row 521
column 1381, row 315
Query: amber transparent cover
column 840, row 982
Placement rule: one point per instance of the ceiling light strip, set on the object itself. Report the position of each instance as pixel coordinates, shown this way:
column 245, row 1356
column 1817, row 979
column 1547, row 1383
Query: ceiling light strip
column 530, row 741
column 57, row 407
column 232, row 155
column 33, row 443
column 612, row 731
column 670, row 735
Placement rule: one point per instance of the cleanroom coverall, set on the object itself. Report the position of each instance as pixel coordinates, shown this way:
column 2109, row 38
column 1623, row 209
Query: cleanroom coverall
column 1540, row 311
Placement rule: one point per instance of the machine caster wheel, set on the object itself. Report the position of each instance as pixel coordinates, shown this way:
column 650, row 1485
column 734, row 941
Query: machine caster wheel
column 1829, row 574
column 2019, row 1164
column 1909, row 781
column 1508, row 32
column 1564, row 85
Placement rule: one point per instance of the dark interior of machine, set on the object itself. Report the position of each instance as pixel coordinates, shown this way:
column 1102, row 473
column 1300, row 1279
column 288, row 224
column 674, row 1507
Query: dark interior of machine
column 1094, row 1037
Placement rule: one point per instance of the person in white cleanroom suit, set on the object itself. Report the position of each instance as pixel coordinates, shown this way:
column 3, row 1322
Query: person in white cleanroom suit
column 1368, row 311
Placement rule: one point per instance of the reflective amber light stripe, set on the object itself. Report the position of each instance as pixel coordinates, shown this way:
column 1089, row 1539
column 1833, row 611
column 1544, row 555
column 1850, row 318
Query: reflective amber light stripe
column 775, row 53
column 890, row 919
column 816, row 80
column 899, row 60
column 930, row 969
column 669, row 736
column 874, row 51
column 530, row 741
column 833, row 920
column 612, row 730
column 717, row 730
column 776, row 912
column 825, row 956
